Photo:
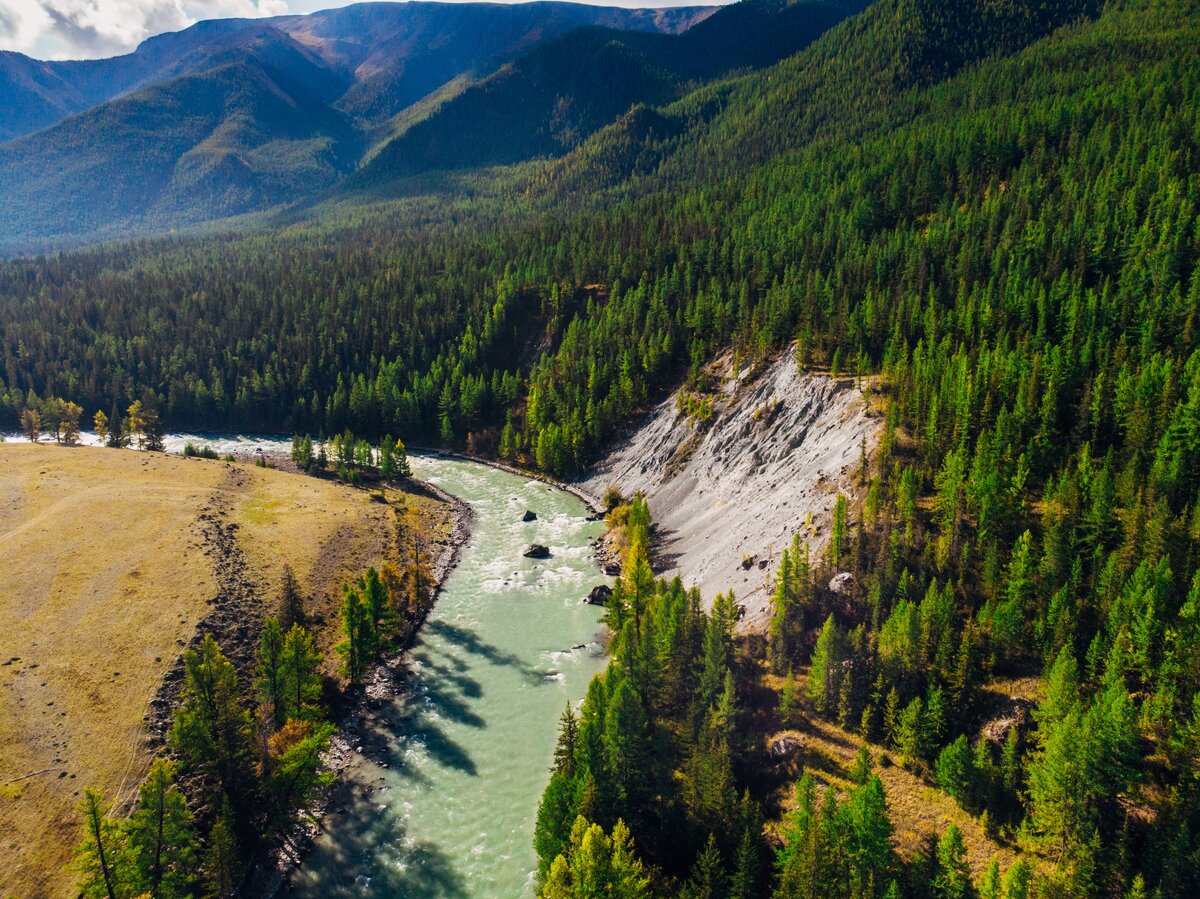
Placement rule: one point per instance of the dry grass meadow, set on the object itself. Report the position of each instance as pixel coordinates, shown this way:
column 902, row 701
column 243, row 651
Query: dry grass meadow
column 918, row 810
column 108, row 567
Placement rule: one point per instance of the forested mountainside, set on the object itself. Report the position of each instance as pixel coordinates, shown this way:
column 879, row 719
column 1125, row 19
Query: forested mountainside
column 547, row 101
column 987, row 207
column 393, row 53
column 232, row 115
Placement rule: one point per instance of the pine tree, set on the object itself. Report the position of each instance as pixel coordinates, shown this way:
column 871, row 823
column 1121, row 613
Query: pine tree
column 891, row 716
column 953, row 878
column 789, row 711
column 909, row 738
column 102, row 858
column 748, row 872
column 300, row 672
column 954, row 771
column 552, row 830
column 117, row 436
column 568, row 738
column 990, row 886
column 100, row 426
column 162, row 836
column 837, row 539
column 211, row 730
column 294, row 774
column 222, row 861
column 269, row 671
column 825, row 670
column 1017, row 880
column 870, row 836
column 291, row 600
column 356, row 626
column 860, row 772
column 707, row 880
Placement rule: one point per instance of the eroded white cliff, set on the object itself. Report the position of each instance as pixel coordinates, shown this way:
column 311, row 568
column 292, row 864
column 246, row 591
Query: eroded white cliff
column 727, row 494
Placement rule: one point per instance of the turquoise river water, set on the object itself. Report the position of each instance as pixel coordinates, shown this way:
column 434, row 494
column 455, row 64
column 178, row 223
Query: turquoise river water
column 443, row 790
column 444, row 798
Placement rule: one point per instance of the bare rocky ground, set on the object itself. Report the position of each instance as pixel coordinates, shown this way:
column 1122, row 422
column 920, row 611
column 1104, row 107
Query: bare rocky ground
column 728, row 492
column 236, row 614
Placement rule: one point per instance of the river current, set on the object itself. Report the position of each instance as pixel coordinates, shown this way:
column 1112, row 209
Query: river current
column 441, row 796
column 452, row 770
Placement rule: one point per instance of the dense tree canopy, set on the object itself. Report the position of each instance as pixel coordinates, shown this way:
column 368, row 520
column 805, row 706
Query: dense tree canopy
column 990, row 206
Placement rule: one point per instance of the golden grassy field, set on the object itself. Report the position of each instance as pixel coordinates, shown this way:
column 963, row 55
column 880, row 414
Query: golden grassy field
column 109, row 565
column 917, row 808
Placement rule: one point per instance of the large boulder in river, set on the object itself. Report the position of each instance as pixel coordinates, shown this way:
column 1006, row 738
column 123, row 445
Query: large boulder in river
column 529, row 515
column 537, row 551
column 600, row 595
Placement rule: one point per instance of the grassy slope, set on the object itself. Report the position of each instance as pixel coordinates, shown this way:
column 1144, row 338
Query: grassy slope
column 106, row 577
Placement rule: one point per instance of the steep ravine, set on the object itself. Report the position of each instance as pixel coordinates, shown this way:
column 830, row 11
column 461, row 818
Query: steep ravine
column 728, row 493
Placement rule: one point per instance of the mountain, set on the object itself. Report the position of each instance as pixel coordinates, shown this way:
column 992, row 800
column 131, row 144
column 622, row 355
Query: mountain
column 394, row 53
column 35, row 94
column 250, row 131
column 400, row 52
column 548, row 100
column 234, row 115
column 976, row 220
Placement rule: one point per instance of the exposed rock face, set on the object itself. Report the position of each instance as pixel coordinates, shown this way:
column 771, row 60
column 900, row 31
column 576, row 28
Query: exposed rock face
column 734, row 489
column 529, row 515
column 537, row 551
column 784, row 747
column 842, row 583
column 600, row 595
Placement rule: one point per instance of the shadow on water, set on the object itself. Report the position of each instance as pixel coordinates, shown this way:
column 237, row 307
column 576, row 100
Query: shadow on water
column 416, row 719
column 451, row 672
column 369, row 855
column 471, row 642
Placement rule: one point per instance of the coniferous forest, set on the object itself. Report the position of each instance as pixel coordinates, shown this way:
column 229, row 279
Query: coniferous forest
column 985, row 209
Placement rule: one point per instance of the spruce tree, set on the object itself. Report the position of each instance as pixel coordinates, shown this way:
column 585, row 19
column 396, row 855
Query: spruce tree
column 953, row 877
column 162, row 836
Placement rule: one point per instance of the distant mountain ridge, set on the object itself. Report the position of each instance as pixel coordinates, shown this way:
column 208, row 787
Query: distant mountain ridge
column 235, row 116
column 560, row 92
column 428, row 42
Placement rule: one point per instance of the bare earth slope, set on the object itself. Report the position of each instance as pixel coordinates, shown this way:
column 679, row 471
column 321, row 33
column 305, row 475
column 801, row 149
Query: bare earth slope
column 113, row 561
column 731, row 491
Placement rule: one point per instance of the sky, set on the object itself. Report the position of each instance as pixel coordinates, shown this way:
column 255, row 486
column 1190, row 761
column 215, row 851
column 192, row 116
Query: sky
column 88, row 29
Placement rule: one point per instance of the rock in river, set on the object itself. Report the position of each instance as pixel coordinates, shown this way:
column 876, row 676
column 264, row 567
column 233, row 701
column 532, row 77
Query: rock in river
column 537, row 551
column 529, row 515
column 599, row 595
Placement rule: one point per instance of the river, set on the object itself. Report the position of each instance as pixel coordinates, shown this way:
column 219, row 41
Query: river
column 446, row 793
column 441, row 802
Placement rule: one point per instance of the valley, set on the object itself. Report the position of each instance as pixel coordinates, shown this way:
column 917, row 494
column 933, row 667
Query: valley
column 871, row 329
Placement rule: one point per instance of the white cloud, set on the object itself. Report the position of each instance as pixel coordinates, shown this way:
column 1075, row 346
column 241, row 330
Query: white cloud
column 74, row 29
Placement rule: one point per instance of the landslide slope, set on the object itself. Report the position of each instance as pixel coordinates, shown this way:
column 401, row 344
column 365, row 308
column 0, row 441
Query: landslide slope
column 732, row 475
